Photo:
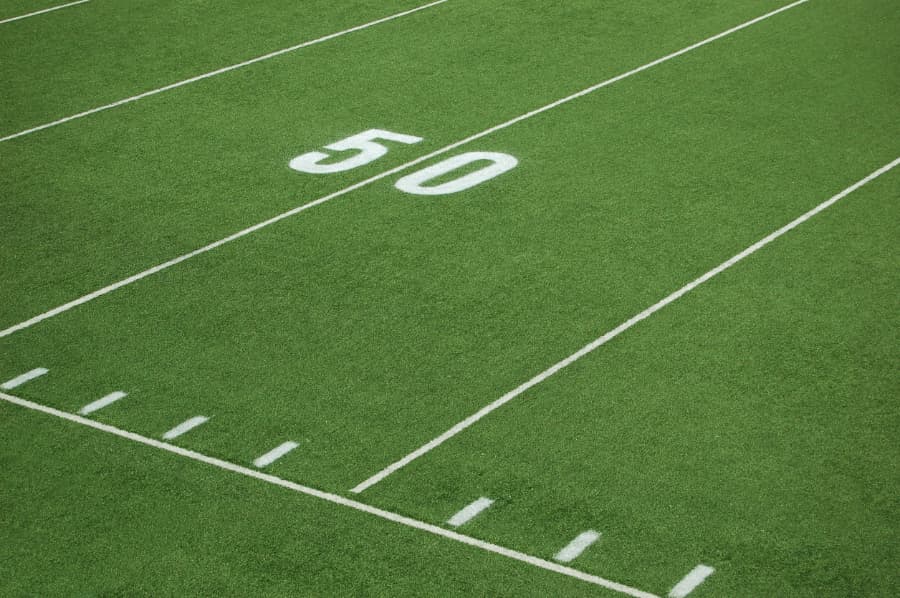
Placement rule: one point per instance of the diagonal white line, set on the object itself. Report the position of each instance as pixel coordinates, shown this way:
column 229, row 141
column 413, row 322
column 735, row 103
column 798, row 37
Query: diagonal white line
column 573, row 549
column 216, row 72
column 175, row 261
column 185, row 427
column 275, row 454
column 23, row 378
column 103, row 402
column 487, row 409
column 470, row 511
column 690, row 582
column 333, row 498
column 40, row 12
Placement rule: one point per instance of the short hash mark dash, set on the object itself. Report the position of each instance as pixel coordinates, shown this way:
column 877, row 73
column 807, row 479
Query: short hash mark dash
column 40, row 12
column 276, row 453
column 691, row 581
column 468, row 513
column 185, row 426
column 104, row 402
column 574, row 548
column 20, row 380
column 334, row 499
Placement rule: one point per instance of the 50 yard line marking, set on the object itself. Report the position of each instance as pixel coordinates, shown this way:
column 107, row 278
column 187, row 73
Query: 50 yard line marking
column 220, row 71
column 40, row 12
column 233, row 237
column 334, row 498
column 599, row 342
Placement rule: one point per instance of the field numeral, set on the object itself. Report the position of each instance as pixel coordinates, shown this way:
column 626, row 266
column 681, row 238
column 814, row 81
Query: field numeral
column 415, row 183
column 369, row 151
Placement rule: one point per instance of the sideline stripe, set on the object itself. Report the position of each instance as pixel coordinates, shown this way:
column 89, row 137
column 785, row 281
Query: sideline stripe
column 691, row 581
column 275, row 454
column 156, row 269
column 23, row 378
column 333, row 498
column 616, row 331
column 40, row 12
column 470, row 512
column 220, row 71
column 101, row 403
column 574, row 548
column 185, row 427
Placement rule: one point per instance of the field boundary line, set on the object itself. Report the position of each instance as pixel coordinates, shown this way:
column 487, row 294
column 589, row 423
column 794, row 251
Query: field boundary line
column 333, row 498
column 599, row 342
column 40, row 12
column 216, row 72
column 174, row 261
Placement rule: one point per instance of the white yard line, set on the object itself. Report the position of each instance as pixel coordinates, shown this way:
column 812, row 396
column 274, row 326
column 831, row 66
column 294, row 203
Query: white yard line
column 470, row 511
column 185, row 427
column 275, row 454
column 574, row 548
column 691, row 581
column 216, row 72
column 599, row 342
column 101, row 403
column 40, row 12
column 334, row 498
column 164, row 266
column 22, row 379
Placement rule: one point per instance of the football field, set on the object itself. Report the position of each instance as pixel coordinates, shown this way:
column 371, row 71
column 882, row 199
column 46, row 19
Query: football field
column 450, row 298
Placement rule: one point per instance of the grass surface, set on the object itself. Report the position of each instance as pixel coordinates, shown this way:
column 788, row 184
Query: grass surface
column 750, row 426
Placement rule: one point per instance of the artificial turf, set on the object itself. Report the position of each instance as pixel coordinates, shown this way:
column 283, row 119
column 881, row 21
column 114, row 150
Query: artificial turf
column 750, row 426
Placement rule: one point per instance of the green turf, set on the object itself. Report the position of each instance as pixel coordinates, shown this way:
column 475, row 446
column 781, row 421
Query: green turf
column 183, row 528
column 749, row 426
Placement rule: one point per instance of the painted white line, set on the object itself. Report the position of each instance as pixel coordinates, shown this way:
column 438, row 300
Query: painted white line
column 185, row 427
column 691, row 581
column 333, row 498
column 431, row 445
column 22, row 379
column 216, row 72
column 156, row 269
column 574, row 548
column 40, row 12
column 101, row 403
column 469, row 512
column 276, row 453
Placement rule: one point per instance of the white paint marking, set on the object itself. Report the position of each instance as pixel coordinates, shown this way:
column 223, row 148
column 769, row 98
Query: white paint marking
column 156, row 269
column 216, row 72
column 40, row 12
column 691, row 581
column 469, row 512
column 616, row 332
column 185, row 427
column 574, row 549
column 415, row 183
column 333, row 498
column 101, row 403
column 26, row 377
column 276, row 453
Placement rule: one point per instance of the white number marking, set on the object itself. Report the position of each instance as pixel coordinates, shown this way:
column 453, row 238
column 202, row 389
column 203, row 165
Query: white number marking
column 415, row 183
column 369, row 151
